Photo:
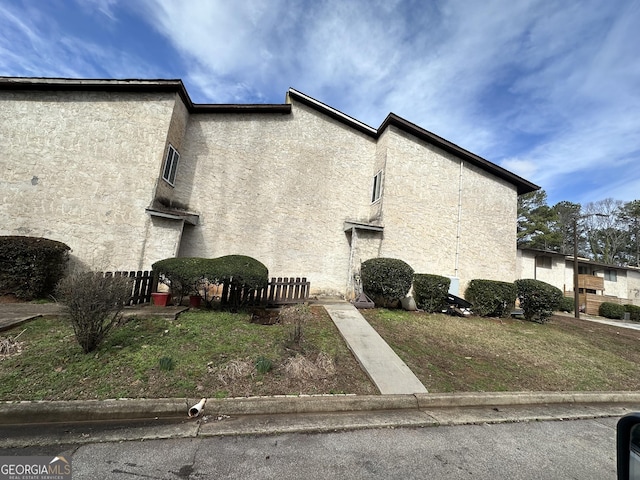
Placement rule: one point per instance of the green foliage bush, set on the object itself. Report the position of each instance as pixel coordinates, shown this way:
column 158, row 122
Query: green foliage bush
column 430, row 291
column 94, row 304
column 538, row 299
column 491, row 298
column 188, row 275
column 567, row 304
column 237, row 269
column 611, row 310
column 386, row 280
column 184, row 275
column 634, row 312
column 30, row 267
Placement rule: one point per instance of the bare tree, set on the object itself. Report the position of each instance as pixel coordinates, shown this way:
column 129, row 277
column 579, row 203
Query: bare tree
column 607, row 240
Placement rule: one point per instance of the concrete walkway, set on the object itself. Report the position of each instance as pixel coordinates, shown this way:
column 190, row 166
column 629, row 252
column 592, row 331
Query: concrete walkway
column 387, row 371
column 605, row 321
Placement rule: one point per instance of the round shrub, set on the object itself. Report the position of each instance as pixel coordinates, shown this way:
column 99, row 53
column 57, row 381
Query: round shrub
column 386, row 280
column 238, row 270
column 538, row 299
column 491, row 298
column 188, row 275
column 634, row 312
column 182, row 274
column 611, row 310
column 30, row 267
column 430, row 291
column 239, row 274
column 567, row 304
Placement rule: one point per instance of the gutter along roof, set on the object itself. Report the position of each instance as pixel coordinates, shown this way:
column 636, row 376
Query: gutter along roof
column 153, row 86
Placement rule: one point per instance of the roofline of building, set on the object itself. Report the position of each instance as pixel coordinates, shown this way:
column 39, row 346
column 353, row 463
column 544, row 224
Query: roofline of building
column 176, row 86
column 524, row 186
column 136, row 85
column 582, row 260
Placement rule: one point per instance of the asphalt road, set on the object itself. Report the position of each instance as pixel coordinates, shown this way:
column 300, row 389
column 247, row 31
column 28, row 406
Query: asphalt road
column 554, row 450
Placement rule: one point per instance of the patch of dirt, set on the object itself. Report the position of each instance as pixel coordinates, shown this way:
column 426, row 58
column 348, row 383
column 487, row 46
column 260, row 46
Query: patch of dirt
column 10, row 299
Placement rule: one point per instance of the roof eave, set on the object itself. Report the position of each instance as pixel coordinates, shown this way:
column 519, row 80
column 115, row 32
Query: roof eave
column 523, row 186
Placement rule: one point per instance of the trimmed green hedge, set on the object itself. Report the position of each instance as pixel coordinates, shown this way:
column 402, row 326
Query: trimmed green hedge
column 567, row 304
column 430, row 291
column 30, row 267
column 183, row 274
column 386, row 280
column 237, row 269
column 187, row 275
column 538, row 299
column 491, row 298
column 634, row 312
column 611, row 310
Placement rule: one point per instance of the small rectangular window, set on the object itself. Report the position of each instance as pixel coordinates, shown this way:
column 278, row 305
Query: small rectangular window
column 543, row 262
column 377, row 187
column 611, row 275
column 171, row 165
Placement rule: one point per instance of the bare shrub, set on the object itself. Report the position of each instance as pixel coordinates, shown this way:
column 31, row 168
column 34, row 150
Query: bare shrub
column 296, row 317
column 94, row 304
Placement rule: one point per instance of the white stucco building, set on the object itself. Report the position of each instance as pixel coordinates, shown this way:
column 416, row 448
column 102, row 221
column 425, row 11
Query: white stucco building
column 127, row 172
column 597, row 282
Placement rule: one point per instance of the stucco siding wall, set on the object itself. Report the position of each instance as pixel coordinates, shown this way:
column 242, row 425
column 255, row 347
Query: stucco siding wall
column 422, row 208
column 277, row 188
column 556, row 275
column 175, row 137
column 619, row 287
column 80, row 167
column 633, row 285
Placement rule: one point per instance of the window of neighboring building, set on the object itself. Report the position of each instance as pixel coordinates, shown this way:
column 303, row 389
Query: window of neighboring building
column 377, row 187
column 544, row 262
column 171, row 165
column 611, row 275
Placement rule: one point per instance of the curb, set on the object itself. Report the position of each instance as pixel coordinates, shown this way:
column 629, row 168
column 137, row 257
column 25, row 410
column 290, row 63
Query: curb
column 34, row 412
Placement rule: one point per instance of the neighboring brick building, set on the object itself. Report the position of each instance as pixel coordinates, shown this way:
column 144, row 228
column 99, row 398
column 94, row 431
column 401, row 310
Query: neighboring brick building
column 127, row 172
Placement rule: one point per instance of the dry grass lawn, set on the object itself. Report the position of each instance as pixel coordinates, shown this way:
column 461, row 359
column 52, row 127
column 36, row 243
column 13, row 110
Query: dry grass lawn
column 450, row 354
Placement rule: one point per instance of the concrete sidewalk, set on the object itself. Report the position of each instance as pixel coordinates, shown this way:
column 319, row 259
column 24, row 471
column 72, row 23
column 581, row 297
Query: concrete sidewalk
column 605, row 321
column 386, row 370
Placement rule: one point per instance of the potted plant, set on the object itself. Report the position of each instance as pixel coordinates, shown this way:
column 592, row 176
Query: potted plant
column 160, row 299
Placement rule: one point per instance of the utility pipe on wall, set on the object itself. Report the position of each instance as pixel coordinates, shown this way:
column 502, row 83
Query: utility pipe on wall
column 459, row 226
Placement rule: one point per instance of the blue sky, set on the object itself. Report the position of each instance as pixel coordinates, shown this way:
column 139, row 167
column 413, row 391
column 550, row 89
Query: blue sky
column 547, row 89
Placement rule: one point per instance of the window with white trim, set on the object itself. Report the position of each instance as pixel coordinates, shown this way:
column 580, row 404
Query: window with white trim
column 377, row 187
column 170, row 165
column 611, row 275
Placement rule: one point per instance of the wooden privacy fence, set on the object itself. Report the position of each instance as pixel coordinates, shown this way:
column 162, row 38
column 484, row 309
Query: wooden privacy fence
column 142, row 286
column 280, row 291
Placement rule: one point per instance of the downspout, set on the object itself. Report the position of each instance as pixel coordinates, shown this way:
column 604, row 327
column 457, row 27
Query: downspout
column 459, row 226
column 350, row 286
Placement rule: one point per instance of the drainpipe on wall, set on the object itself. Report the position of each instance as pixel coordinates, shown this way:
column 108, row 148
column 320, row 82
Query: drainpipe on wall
column 459, row 226
column 350, row 286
